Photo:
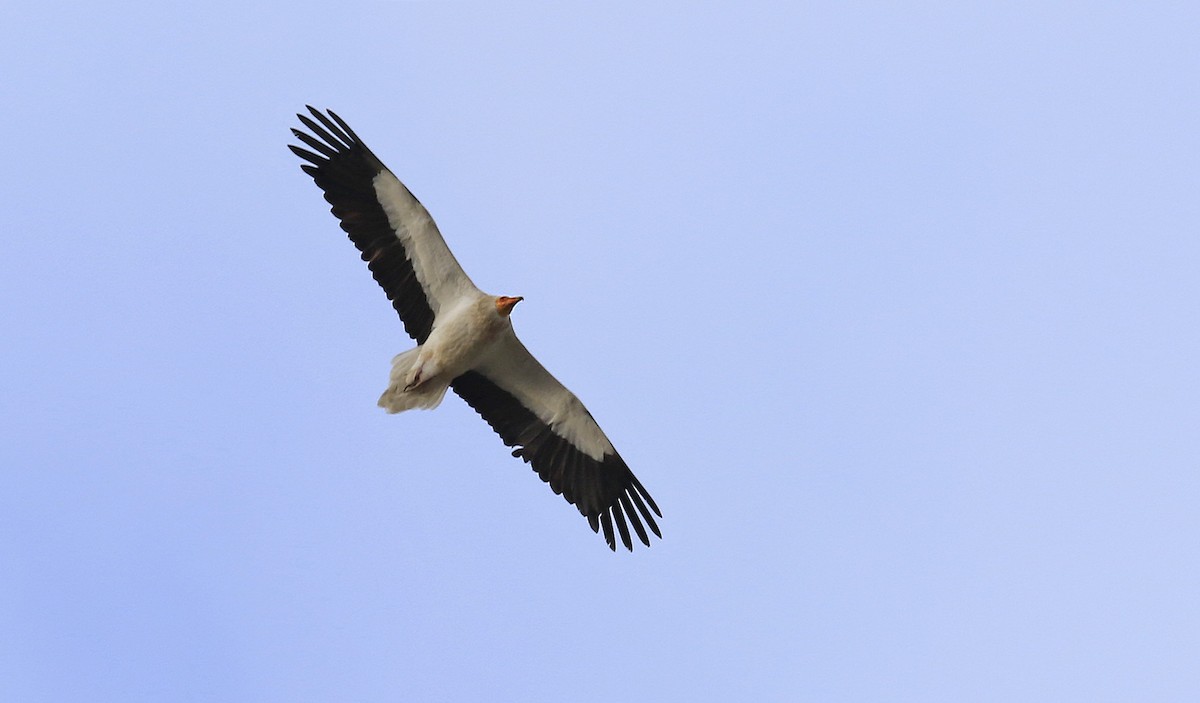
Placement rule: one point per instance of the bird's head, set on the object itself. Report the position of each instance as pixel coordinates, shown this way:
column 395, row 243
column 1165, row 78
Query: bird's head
column 505, row 304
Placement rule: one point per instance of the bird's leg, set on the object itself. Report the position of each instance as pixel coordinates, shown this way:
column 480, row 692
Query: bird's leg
column 424, row 370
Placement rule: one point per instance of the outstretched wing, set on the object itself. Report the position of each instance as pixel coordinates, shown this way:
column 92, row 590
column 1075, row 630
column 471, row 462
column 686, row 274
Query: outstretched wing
column 397, row 237
column 553, row 432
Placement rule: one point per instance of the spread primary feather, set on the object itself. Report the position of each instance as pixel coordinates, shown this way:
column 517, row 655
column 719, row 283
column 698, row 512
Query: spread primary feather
column 466, row 340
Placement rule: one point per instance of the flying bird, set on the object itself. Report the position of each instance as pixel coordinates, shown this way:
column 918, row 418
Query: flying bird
column 465, row 339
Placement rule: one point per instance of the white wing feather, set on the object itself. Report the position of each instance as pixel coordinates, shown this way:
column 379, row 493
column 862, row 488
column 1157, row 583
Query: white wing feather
column 509, row 365
column 438, row 272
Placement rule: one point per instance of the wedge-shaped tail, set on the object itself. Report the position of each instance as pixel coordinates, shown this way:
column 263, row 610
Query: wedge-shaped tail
column 426, row 396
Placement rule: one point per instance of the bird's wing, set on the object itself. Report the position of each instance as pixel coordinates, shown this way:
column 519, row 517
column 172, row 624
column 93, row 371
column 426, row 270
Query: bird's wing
column 551, row 430
column 394, row 232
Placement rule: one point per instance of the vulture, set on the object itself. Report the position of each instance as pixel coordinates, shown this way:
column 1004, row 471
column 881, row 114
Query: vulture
column 465, row 339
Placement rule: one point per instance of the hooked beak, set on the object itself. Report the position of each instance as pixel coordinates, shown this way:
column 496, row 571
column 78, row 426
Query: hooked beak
column 505, row 304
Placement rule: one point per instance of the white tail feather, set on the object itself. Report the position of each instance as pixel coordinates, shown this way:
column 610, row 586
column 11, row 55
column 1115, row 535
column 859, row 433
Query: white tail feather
column 426, row 396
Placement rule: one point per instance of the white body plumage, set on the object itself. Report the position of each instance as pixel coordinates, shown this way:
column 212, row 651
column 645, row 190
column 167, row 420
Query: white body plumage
column 461, row 335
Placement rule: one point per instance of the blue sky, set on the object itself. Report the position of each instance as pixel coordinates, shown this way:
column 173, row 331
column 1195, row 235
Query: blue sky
column 893, row 310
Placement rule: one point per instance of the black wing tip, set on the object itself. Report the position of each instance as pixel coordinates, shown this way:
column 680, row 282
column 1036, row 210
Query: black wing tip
column 306, row 155
column 328, row 127
column 603, row 490
column 622, row 527
column 634, row 521
column 314, row 112
column 609, row 538
column 626, row 511
column 631, row 507
column 640, row 489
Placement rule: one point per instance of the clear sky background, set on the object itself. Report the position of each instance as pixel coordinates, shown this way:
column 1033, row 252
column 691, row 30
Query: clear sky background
column 894, row 311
